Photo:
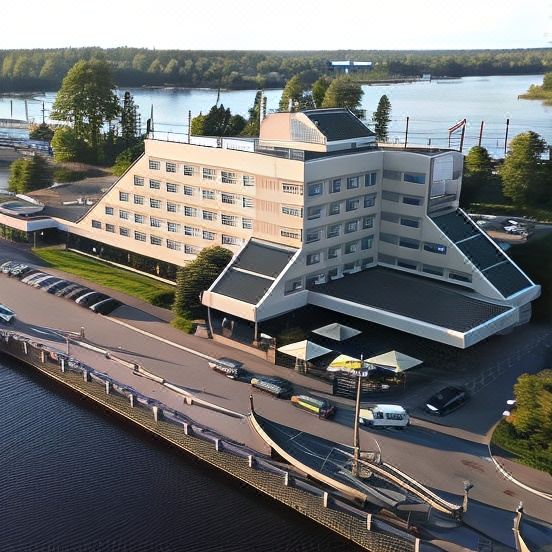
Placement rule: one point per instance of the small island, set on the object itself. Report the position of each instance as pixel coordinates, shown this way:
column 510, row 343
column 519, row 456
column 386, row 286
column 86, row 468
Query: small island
column 540, row 92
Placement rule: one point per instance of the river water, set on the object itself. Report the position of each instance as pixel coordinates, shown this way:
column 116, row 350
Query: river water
column 73, row 478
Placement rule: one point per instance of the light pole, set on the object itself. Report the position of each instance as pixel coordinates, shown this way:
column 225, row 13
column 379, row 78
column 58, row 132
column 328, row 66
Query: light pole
column 468, row 485
column 356, row 430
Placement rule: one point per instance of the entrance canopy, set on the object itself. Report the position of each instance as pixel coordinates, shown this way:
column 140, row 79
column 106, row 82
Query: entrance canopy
column 304, row 350
column 337, row 332
column 395, row 361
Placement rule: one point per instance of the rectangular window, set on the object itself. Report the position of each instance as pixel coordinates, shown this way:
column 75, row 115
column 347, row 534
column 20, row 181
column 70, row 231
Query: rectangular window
column 293, row 211
column 123, row 196
column 333, row 231
column 316, row 189
column 209, row 215
column 461, row 277
column 387, row 259
column 389, row 238
column 172, row 207
column 96, row 224
column 416, row 178
column 353, row 182
column 292, row 189
column 155, row 184
column 351, row 247
column 124, row 214
column 390, row 196
column 412, row 200
column 228, row 220
column 156, row 240
column 389, row 217
column 293, row 285
column 139, row 219
column 294, row 234
column 228, row 198
column 435, row 248
column 351, row 267
column 155, row 203
column 155, row 222
column 174, row 245
column 248, row 180
column 124, row 232
column 436, row 270
column 140, row 236
column 190, row 211
column 413, row 223
column 170, row 167
column 312, row 236
column 367, row 222
column 352, row 204
column 406, row 264
column 173, row 227
column 351, row 226
column 334, row 252
column 208, row 235
column 366, row 242
column 172, row 188
column 188, row 190
column 230, row 240
column 247, row 202
column 369, row 200
column 209, row 174
column 366, row 262
column 109, row 210
column 110, row 228
column 313, row 258
column 228, row 177
column 154, row 165
column 370, row 179
column 334, row 208
column 392, row 175
column 138, row 200
column 247, row 223
column 138, row 180
column 191, row 249
column 191, row 231
column 335, row 186
column 314, row 213
column 188, row 170
column 208, row 194
column 407, row 242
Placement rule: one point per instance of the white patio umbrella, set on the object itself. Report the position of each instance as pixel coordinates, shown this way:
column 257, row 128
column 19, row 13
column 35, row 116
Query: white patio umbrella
column 337, row 332
column 395, row 361
column 304, row 350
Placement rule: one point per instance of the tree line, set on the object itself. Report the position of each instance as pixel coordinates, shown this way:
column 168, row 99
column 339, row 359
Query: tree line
column 44, row 69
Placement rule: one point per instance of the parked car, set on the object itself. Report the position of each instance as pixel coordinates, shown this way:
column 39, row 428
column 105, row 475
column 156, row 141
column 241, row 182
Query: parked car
column 47, row 280
column 106, row 306
column 30, row 278
column 5, row 267
column 6, row 315
column 91, row 298
column 315, row 405
column 384, row 415
column 275, row 386
column 231, row 368
column 71, row 286
column 78, row 292
column 30, row 273
column 55, row 286
column 448, row 399
column 20, row 270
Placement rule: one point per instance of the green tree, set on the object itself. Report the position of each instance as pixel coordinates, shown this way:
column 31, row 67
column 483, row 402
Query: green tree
column 41, row 132
column 319, row 89
column 130, row 127
column 525, row 177
column 478, row 173
column 382, row 118
column 218, row 122
column 67, row 146
column 197, row 276
column 87, row 100
column 532, row 414
column 292, row 94
column 253, row 124
column 343, row 92
column 125, row 159
column 31, row 174
column 547, row 82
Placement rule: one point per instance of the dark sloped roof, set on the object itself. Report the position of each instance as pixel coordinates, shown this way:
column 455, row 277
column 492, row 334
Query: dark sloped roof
column 481, row 252
column 456, row 226
column 243, row 286
column 264, row 258
column 414, row 297
column 338, row 124
column 507, row 278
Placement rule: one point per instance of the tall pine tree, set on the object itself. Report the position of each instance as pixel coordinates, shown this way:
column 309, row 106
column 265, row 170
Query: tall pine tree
column 382, row 118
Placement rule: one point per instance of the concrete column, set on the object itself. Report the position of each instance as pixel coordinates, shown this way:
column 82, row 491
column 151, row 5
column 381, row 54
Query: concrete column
column 42, row 357
column 107, row 387
column 417, row 545
column 369, row 521
column 251, row 461
column 63, row 365
column 326, row 499
column 85, row 375
column 155, row 413
column 218, row 445
column 131, row 398
column 25, row 347
column 187, row 429
column 286, row 479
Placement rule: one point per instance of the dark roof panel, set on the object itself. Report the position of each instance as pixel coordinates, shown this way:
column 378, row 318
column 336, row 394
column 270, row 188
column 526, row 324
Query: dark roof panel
column 243, row 286
column 338, row 124
column 414, row 297
column 264, row 258
column 507, row 278
column 456, row 226
column 481, row 252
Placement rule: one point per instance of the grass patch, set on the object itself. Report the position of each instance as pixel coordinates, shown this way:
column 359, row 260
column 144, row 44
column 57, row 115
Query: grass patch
column 136, row 285
column 183, row 324
column 542, row 215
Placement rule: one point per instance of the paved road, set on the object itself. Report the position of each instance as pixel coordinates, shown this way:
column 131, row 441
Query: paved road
column 438, row 459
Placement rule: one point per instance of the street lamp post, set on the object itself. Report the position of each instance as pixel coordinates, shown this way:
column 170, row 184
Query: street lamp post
column 356, row 435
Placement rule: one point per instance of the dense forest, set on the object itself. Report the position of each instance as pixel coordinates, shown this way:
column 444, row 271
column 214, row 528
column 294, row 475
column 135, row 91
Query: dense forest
column 39, row 70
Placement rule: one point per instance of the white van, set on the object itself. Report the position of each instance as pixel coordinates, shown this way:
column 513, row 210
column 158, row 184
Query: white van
column 384, row 415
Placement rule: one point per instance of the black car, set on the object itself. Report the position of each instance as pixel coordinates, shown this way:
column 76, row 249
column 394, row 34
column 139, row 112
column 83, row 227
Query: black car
column 54, row 286
column 106, row 306
column 91, row 298
column 66, row 290
column 278, row 387
column 445, row 401
column 78, row 292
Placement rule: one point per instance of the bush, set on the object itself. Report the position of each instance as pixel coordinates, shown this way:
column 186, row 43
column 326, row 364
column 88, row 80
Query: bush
column 125, row 159
column 183, row 324
column 28, row 174
column 64, row 174
column 163, row 299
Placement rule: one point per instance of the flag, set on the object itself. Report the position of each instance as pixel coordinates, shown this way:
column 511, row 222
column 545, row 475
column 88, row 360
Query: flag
column 458, row 125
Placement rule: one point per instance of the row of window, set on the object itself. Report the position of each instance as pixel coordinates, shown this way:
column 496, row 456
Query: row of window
column 414, row 178
column 410, row 243
column 402, row 198
column 335, row 208
column 402, row 220
column 343, row 249
column 207, row 173
column 428, row 269
column 337, row 185
column 171, row 244
column 335, row 230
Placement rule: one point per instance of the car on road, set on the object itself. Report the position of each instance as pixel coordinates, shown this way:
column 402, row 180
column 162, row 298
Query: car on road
column 6, row 314
column 231, row 368
column 79, row 291
column 315, row 405
column 384, row 415
column 278, row 387
column 30, row 278
column 107, row 306
column 448, row 399
column 55, row 286
column 91, row 298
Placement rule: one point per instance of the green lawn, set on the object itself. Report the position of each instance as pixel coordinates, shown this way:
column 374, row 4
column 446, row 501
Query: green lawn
column 104, row 274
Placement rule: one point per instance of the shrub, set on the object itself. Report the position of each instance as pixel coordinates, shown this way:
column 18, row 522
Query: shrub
column 64, row 174
column 183, row 324
column 163, row 299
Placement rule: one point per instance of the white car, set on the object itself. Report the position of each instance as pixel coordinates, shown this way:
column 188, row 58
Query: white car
column 6, row 314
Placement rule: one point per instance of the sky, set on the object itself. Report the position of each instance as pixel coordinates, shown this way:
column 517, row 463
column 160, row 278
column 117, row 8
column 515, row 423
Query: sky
column 278, row 24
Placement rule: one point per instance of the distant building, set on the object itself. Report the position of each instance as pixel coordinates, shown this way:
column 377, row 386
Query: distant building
column 349, row 66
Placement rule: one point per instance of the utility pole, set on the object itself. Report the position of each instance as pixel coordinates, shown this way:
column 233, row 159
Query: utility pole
column 43, row 114
column 462, row 137
column 481, row 133
column 406, row 132
column 189, row 125
column 506, row 137
column 356, row 435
